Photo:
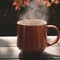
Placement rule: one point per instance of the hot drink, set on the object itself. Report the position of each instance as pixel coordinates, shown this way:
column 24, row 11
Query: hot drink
column 32, row 35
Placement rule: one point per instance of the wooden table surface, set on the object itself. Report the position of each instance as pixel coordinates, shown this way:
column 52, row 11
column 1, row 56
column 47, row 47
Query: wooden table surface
column 9, row 50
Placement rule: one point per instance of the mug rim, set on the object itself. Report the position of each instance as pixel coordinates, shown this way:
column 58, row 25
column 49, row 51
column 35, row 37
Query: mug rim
column 31, row 22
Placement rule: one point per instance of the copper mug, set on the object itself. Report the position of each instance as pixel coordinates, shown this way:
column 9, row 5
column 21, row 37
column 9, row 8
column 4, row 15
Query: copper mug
column 32, row 35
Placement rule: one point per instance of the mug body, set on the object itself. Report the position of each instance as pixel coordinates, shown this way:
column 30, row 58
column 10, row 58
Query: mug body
column 31, row 35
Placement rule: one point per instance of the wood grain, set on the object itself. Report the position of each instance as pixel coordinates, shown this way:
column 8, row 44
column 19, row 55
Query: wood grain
column 9, row 50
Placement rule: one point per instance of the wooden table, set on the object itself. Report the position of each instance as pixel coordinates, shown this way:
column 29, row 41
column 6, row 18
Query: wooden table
column 9, row 50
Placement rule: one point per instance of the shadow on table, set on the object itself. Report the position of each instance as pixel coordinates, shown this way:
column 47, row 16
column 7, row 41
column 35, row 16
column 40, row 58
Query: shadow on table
column 37, row 56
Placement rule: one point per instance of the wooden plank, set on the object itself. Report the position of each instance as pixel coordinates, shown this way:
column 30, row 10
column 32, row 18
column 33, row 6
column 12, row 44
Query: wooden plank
column 31, row 59
column 8, row 41
column 8, row 59
column 13, row 52
column 9, row 50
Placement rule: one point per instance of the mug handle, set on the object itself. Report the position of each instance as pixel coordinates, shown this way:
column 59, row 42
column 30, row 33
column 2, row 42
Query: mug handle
column 58, row 34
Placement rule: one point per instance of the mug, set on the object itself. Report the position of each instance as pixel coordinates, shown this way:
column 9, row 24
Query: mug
column 32, row 35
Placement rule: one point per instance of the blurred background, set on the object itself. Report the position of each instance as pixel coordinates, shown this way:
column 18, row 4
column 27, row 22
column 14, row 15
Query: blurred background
column 9, row 16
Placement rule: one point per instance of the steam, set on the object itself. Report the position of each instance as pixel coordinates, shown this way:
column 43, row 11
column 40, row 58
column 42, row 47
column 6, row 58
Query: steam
column 35, row 11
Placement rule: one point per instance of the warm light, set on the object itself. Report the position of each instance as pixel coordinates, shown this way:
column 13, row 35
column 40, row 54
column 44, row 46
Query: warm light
column 55, row 1
column 19, row 3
